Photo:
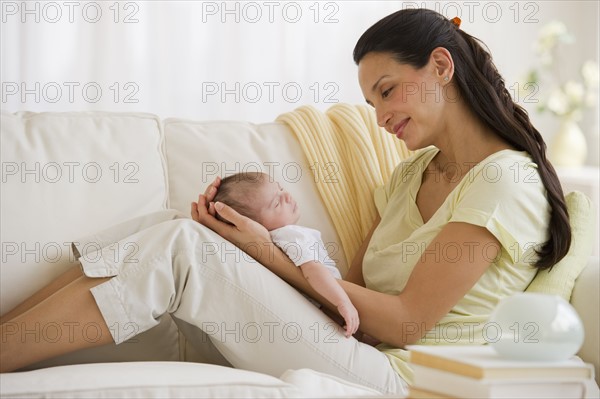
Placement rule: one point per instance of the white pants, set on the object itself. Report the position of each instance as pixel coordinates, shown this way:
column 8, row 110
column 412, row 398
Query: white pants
column 164, row 262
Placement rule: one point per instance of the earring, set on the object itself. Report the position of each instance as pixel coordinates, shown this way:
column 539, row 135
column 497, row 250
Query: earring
column 446, row 78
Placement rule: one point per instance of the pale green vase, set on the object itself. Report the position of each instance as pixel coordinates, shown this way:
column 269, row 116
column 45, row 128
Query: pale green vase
column 568, row 147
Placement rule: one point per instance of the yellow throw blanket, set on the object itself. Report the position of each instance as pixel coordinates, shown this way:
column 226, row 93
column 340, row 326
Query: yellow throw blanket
column 350, row 155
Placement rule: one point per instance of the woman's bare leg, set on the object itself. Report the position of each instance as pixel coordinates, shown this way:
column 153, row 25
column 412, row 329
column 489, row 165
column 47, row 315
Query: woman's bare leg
column 58, row 283
column 65, row 321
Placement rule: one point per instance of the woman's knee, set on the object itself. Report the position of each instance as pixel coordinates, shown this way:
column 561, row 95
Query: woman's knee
column 188, row 225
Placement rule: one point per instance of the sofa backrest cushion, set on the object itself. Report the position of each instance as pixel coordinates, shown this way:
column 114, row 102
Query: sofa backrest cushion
column 197, row 152
column 64, row 176
column 561, row 278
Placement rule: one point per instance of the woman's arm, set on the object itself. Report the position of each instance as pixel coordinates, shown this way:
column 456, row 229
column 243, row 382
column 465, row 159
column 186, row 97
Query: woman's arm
column 355, row 274
column 436, row 284
column 447, row 270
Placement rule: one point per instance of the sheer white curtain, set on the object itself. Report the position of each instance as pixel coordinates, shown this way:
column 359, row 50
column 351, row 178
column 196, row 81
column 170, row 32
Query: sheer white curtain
column 192, row 59
column 242, row 60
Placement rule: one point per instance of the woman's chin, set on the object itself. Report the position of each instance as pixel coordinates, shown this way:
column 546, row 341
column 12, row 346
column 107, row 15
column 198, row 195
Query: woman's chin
column 411, row 145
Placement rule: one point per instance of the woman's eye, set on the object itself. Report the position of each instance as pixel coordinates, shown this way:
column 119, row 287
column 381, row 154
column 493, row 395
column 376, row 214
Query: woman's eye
column 386, row 93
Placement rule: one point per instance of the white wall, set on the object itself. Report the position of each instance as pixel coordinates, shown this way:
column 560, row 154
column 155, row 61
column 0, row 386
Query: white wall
column 240, row 60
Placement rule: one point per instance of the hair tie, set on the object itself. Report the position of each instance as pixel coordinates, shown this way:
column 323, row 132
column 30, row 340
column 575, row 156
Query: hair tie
column 456, row 21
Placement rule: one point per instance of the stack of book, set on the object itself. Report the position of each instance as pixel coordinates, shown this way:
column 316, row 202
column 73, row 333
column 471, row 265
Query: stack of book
column 477, row 371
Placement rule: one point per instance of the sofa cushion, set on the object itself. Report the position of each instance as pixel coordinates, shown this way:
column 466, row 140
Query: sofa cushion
column 319, row 385
column 143, row 380
column 64, row 176
column 561, row 278
column 197, row 152
column 585, row 300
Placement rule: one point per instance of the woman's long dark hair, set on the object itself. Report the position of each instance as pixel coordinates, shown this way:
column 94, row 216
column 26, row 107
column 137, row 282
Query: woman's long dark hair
column 411, row 35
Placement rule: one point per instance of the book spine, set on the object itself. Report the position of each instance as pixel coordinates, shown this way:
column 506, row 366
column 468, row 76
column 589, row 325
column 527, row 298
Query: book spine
column 445, row 364
column 455, row 385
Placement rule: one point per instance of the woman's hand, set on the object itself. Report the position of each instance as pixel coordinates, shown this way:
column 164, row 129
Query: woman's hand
column 248, row 235
column 208, row 197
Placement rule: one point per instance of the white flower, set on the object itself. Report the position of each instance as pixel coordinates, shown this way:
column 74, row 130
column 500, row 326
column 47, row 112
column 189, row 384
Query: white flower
column 590, row 73
column 546, row 59
column 553, row 29
column 591, row 99
column 574, row 92
column 569, row 97
column 549, row 36
column 558, row 102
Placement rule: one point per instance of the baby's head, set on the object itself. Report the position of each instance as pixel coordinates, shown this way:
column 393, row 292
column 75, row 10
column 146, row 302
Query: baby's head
column 257, row 196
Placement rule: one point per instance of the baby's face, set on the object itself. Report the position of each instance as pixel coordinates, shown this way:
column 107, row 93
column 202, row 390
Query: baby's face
column 276, row 206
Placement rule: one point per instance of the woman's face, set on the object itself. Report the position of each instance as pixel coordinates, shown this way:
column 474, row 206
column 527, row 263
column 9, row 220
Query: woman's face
column 408, row 102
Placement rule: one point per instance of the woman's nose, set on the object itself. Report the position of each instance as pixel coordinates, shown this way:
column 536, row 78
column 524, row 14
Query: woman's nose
column 287, row 197
column 383, row 118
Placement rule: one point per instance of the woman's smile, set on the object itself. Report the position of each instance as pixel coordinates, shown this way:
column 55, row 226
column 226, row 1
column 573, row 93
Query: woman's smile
column 398, row 129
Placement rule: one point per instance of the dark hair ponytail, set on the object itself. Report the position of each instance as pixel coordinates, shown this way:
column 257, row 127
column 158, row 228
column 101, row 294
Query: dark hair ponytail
column 411, row 35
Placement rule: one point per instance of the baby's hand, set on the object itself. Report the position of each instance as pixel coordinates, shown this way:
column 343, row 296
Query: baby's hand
column 350, row 315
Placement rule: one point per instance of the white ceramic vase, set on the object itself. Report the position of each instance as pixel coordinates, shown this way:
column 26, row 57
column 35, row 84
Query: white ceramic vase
column 568, row 147
column 535, row 327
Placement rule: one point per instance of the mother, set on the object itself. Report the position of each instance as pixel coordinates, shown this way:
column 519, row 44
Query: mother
column 478, row 238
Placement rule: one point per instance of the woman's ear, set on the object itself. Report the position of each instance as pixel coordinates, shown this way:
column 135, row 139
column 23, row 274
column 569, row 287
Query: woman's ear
column 442, row 63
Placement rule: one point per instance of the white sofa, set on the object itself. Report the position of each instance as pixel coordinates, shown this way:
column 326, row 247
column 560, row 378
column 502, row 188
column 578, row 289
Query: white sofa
column 65, row 175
